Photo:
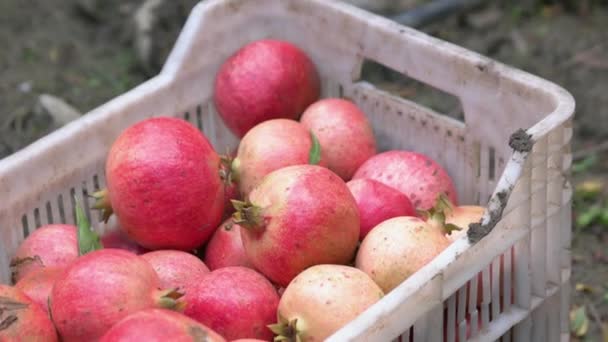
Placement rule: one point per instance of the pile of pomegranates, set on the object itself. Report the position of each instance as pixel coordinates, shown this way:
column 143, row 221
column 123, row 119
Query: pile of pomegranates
column 291, row 237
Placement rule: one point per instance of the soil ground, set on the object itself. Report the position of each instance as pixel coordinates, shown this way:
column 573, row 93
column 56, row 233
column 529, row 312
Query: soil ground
column 82, row 51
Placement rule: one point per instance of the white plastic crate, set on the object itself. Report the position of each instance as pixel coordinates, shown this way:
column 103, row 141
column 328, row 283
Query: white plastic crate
column 528, row 193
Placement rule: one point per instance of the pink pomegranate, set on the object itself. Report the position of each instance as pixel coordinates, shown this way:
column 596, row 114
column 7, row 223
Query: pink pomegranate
column 226, row 247
column 231, row 188
column 269, row 146
column 299, row 216
column 100, row 289
column 159, row 325
column 177, row 270
column 321, row 300
column 377, row 203
column 414, row 174
column 265, row 79
column 117, row 238
column 38, row 285
column 236, row 302
column 54, row 245
column 344, row 133
column 397, row 248
column 21, row 319
column 164, row 184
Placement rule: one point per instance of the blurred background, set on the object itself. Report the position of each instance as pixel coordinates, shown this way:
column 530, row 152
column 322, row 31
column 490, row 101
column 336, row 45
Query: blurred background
column 62, row 58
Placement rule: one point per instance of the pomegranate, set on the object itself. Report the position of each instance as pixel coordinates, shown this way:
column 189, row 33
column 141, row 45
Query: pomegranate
column 117, row 238
column 299, row 216
column 226, row 248
column 38, row 285
column 248, row 340
column 377, row 203
column 101, row 288
column 177, row 269
column 344, row 133
column 160, row 325
column 397, row 248
column 21, row 319
column 237, row 302
column 321, row 300
column 414, row 174
column 164, row 184
column 231, row 188
column 269, row 146
column 265, row 79
column 53, row 245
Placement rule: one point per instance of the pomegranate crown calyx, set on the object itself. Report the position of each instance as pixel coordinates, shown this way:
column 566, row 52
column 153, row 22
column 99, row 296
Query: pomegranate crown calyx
column 229, row 169
column 247, row 214
column 170, row 299
column 88, row 239
column 437, row 214
column 102, row 202
column 286, row 331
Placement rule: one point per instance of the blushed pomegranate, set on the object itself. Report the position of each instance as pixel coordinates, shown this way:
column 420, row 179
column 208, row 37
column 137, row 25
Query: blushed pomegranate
column 236, row 302
column 54, row 245
column 159, row 325
column 265, row 79
column 270, row 146
column 177, row 270
column 100, row 289
column 299, row 216
column 377, row 203
column 21, row 319
column 322, row 299
column 397, row 248
column 164, row 184
column 344, row 133
column 416, row 175
column 37, row 285
column 117, row 238
column 226, row 248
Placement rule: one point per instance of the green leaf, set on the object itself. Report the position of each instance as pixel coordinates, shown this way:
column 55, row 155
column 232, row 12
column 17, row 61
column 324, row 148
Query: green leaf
column 585, row 164
column 588, row 216
column 579, row 323
column 314, row 156
column 606, row 296
column 88, row 240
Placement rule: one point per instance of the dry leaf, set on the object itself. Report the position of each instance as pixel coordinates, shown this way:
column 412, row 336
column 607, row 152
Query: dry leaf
column 584, row 288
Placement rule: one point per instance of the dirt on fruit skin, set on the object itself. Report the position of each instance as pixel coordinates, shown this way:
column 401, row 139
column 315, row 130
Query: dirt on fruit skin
column 83, row 52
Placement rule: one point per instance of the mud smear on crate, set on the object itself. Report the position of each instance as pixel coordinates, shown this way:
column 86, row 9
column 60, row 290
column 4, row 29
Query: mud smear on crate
column 478, row 231
column 521, row 141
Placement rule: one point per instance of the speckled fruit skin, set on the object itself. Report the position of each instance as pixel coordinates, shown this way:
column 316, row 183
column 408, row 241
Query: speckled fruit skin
column 324, row 298
column 54, row 245
column 270, row 146
column 414, row 174
column 160, row 325
column 236, row 302
column 38, row 285
column 377, row 203
column 177, row 269
column 463, row 216
column 397, row 248
column 226, row 248
column 29, row 321
column 344, row 133
column 164, row 184
column 309, row 217
column 98, row 290
column 265, row 79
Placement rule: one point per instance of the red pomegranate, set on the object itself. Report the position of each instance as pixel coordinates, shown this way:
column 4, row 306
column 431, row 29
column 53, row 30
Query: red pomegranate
column 164, row 184
column 53, row 245
column 159, row 325
column 117, row 238
column 299, row 216
column 377, row 203
column 101, row 288
column 344, row 133
column 236, row 302
column 321, row 300
column 416, row 175
column 265, row 79
column 21, row 319
column 37, row 285
column 269, row 146
column 226, row 248
column 397, row 248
